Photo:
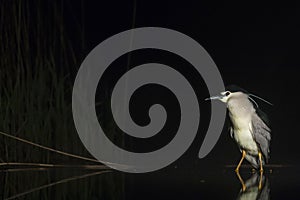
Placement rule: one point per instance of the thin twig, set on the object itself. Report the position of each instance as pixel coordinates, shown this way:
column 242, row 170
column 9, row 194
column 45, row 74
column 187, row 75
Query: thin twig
column 48, row 165
column 64, row 153
column 48, row 148
column 268, row 165
column 25, row 169
column 56, row 183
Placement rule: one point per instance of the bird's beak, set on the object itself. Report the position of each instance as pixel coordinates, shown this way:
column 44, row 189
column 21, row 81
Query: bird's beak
column 214, row 97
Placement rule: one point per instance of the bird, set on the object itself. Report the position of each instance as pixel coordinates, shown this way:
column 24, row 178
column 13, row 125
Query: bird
column 249, row 126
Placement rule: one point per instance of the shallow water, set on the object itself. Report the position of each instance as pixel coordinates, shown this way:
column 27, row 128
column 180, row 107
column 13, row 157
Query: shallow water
column 171, row 183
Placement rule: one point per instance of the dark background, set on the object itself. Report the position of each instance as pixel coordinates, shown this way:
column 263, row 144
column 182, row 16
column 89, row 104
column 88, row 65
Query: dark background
column 254, row 45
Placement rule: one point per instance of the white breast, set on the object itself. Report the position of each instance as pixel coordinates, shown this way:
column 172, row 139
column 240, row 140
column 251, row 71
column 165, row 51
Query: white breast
column 244, row 139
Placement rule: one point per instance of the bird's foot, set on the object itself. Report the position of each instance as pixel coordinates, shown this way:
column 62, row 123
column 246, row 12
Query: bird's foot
column 261, row 169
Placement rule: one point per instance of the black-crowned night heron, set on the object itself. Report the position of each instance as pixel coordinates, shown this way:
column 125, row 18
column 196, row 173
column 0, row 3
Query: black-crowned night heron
column 248, row 126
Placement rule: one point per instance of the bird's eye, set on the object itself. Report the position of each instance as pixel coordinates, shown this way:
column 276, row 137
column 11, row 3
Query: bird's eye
column 227, row 93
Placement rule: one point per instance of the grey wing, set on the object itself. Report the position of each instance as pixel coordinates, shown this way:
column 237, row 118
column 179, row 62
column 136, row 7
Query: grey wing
column 261, row 134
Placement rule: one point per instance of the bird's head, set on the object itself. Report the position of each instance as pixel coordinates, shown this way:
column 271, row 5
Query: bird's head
column 227, row 95
column 235, row 92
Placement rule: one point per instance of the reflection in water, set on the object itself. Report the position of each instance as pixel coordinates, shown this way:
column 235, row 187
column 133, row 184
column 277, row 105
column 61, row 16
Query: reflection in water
column 55, row 189
column 256, row 187
column 56, row 183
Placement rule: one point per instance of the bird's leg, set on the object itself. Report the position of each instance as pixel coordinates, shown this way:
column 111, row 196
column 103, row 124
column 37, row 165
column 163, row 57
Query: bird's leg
column 260, row 162
column 241, row 180
column 239, row 165
column 260, row 180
